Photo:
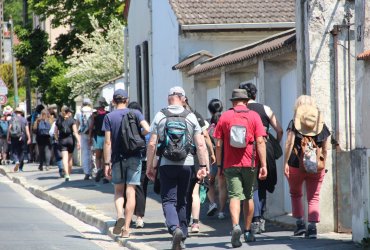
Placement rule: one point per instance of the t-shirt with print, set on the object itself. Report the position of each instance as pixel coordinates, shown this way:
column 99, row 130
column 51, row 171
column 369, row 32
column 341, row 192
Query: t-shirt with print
column 239, row 157
column 157, row 127
column 84, row 118
column 112, row 122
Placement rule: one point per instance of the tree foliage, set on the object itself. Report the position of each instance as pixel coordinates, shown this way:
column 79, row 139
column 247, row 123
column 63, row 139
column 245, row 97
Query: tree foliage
column 100, row 59
column 13, row 8
column 6, row 73
column 72, row 13
column 32, row 47
column 51, row 81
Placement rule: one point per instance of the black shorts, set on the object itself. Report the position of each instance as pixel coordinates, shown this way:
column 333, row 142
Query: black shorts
column 66, row 144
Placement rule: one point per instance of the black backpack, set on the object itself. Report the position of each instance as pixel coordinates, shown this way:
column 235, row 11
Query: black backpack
column 98, row 124
column 64, row 127
column 132, row 141
column 177, row 142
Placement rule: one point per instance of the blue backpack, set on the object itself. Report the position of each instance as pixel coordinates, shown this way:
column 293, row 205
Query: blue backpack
column 4, row 125
column 43, row 128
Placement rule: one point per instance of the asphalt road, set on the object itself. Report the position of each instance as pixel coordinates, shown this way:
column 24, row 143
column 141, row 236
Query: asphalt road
column 27, row 222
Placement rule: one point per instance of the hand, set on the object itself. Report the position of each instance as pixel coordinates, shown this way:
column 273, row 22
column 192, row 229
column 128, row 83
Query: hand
column 202, row 173
column 150, row 172
column 78, row 146
column 286, row 171
column 262, row 174
column 29, row 141
column 90, row 142
column 213, row 159
column 108, row 172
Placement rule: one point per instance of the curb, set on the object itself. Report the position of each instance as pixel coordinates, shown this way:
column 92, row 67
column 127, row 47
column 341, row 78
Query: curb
column 93, row 218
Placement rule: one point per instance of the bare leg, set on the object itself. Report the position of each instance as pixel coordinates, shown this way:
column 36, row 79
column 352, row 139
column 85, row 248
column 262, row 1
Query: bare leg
column 130, row 205
column 248, row 210
column 235, row 210
column 222, row 190
column 195, row 209
column 65, row 162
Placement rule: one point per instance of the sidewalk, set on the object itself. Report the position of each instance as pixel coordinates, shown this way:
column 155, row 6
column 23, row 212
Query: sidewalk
column 92, row 203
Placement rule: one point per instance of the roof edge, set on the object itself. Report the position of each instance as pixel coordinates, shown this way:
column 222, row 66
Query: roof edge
column 233, row 26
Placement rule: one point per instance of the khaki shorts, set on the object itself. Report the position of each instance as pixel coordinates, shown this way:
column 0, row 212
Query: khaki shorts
column 240, row 182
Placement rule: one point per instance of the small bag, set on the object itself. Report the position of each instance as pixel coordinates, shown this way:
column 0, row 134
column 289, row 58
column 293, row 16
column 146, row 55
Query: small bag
column 278, row 151
column 238, row 130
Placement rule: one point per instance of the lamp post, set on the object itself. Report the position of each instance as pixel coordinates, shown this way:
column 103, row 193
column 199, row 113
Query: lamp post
column 15, row 83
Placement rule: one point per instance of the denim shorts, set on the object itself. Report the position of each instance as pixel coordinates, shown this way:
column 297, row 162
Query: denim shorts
column 240, row 182
column 127, row 171
column 98, row 142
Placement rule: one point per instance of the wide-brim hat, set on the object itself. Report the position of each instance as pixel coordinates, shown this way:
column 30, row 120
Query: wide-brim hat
column 308, row 120
column 19, row 110
column 7, row 110
column 239, row 94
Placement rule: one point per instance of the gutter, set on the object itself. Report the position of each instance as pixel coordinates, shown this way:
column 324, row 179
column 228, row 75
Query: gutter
column 233, row 26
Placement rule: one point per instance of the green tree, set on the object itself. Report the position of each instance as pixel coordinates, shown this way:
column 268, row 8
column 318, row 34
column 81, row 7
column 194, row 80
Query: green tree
column 100, row 59
column 51, row 81
column 76, row 14
column 6, row 73
column 32, row 47
column 13, row 8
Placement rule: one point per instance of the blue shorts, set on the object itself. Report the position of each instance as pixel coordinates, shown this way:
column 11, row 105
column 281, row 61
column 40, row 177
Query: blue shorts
column 98, row 142
column 127, row 171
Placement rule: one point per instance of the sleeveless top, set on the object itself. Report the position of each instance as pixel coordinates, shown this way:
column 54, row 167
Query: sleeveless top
column 259, row 108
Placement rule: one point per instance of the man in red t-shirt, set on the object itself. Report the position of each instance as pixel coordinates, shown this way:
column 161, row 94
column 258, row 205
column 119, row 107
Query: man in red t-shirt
column 241, row 135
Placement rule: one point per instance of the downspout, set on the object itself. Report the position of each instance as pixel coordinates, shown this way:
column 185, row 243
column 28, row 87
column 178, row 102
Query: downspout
column 348, row 17
column 335, row 140
column 125, row 56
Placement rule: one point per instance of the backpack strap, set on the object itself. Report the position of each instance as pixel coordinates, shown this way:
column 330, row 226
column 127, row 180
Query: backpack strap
column 240, row 110
column 168, row 113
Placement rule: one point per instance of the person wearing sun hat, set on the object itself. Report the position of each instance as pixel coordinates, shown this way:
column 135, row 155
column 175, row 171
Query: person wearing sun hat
column 308, row 122
column 19, row 137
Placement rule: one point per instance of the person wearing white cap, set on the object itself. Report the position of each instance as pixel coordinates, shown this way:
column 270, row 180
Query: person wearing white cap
column 176, row 130
column 82, row 121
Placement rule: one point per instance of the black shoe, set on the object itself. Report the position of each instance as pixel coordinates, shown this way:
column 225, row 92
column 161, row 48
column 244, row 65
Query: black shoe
column 99, row 175
column 105, row 181
column 311, row 232
column 41, row 168
column 300, row 229
column 87, row 177
column 176, row 239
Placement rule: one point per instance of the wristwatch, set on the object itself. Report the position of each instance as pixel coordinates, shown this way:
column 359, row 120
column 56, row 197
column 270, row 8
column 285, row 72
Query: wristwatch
column 202, row 166
column 106, row 164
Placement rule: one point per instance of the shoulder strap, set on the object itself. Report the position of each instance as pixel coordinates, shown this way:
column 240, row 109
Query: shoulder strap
column 240, row 111
column 168, row 113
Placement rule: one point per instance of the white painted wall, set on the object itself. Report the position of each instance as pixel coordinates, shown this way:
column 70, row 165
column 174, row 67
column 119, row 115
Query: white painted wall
column 139, row 30
column 165, row 54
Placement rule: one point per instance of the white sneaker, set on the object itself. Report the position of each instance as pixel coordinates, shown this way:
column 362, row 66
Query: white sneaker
column 139, row 223
column 212, row 209
column 221, row 215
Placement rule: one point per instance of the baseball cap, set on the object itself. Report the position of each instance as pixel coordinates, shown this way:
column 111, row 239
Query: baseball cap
column 86, row 101
column 176, row 91
column 120, row 92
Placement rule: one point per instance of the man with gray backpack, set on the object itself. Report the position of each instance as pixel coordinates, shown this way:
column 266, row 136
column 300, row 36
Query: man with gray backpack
column 19, row 137
column 176, row 135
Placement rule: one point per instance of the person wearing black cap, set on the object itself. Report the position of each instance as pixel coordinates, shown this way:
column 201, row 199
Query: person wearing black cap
column 268, row 118
column 123, row 170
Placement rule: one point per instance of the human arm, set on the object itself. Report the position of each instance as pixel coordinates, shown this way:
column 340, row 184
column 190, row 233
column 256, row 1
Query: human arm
column 28, row 135
column 202, row 155
column 107, row 154
column 150, row 155
column 8, row 134
column 209, row 146
column 77, row 136
column 288, row 150
column 144, row 124
column 261, row 150
column 277, row 127
column 91, row 128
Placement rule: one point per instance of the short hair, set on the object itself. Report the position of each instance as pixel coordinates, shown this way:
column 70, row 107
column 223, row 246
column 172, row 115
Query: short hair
column 250, row 88
column 119, row 99
column 135, row 105
column 215, row 106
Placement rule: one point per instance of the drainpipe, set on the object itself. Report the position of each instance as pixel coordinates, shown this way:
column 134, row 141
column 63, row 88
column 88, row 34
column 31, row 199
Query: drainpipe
column 125, row 46
column 348, row 18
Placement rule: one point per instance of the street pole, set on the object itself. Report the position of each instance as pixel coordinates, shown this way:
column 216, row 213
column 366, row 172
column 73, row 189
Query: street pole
column 15, row 83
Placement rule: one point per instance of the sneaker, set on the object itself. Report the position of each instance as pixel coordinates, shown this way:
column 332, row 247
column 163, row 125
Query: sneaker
column 212, row 209
column 182, row 244
column 195, row 228
column 139, row 223
column 311, row 232
column 235, row 236
column 87, row 177
column 118, row 226
column 16, row 168
column 249, row 237
column 105, row 181
column 221, row 215
column 256, row 227
column 66, row 177
column 262, row 225
column 300, row 229
column 176, row 239
column 99, row 175
column 41, row 168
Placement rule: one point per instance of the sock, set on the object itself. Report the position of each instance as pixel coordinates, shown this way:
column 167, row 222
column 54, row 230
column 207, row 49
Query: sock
column 300, row 220
column 247, row 231
column 195, row 221
column 256, row 219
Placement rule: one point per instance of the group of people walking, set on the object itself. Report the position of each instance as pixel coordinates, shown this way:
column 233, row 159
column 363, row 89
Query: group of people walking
column 184, row 154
